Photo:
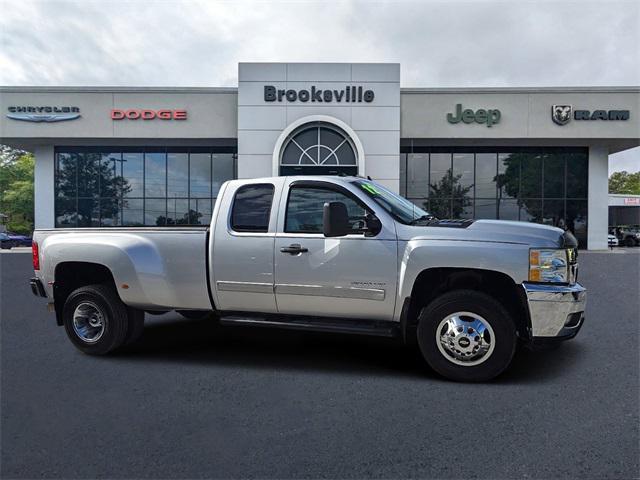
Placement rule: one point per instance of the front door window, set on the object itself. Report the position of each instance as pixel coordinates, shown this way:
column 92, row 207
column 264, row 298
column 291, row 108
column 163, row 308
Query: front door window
column 305, row 207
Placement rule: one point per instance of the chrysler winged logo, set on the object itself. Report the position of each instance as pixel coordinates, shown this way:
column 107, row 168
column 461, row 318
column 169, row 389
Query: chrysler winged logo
column 43, row 114
column 561, row 114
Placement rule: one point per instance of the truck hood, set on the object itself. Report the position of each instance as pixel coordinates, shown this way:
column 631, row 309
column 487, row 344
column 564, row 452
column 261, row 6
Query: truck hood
column 495, row 231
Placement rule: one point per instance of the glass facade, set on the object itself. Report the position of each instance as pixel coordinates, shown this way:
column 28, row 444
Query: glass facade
column 542, row 185
column 168, row 186
column 139, row 186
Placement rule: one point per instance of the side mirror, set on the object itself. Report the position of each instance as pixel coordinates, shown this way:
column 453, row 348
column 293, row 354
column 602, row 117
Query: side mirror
column 374, row 225
column 335, row 219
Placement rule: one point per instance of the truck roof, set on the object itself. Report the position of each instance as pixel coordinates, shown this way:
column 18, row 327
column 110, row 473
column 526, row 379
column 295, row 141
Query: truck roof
column 336, row 178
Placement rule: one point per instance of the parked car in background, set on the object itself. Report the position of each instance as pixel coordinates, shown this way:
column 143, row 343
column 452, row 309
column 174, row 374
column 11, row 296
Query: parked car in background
column 613, row 240
column 20, row 240
column 629, row 237
column 6, row 242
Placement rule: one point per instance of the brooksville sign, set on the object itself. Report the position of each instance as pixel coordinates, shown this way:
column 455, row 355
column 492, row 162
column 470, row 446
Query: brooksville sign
column 349, row 94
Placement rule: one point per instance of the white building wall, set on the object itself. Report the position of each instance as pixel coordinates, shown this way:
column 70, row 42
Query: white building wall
column 44, row 187
column 598, row 198
column 376, row 124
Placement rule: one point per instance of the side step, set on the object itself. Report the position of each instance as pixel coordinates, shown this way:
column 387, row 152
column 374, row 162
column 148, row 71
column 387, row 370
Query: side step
column 335, row 325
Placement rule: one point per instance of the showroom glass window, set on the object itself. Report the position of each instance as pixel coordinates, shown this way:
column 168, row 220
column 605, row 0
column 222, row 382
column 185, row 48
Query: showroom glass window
column 139, row 186
column 543, row 185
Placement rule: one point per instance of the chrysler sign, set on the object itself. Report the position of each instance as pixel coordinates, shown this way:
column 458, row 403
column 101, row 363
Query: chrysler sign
column 349, row 94
column 43, row 113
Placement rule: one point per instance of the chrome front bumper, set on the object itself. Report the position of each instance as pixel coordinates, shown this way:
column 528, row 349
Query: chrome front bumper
column 556, row 311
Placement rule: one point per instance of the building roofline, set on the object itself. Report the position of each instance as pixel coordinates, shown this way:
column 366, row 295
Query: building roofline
column 99, row 89
column 233, row 90
column 613, row 89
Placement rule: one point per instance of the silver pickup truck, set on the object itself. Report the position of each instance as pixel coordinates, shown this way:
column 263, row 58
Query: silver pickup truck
column 339, row 254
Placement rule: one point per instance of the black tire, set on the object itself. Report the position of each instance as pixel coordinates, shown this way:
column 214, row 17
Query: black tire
column 114, row 314
column 136, row 326
column 491, row 311
column 629, row 242
column 195, row 314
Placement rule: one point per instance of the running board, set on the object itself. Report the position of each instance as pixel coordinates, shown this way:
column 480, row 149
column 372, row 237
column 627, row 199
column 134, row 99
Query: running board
column 334, row 325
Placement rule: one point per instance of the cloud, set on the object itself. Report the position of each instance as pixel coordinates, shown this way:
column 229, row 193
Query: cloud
column 439, row 44
column 628, row 160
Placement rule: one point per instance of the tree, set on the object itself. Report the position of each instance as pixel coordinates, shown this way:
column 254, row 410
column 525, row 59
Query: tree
column 90, row 176
column 190, row 218
column 442, row 193
column 16, row 189
column 624, row 183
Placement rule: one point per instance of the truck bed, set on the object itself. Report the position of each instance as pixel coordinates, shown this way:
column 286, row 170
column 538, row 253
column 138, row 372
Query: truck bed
column 153, row 268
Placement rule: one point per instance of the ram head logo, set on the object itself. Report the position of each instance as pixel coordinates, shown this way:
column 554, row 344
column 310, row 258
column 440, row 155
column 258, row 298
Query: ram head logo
column 561, row 114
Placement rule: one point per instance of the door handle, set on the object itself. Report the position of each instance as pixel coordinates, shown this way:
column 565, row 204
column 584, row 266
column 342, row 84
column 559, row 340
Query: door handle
column 294, row 249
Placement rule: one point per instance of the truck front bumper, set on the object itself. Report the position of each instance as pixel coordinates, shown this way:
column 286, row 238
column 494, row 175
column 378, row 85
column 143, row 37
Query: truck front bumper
column 556, row 311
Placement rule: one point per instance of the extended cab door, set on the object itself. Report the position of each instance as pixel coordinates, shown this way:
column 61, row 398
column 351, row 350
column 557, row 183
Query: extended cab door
column 241, row 251
column 349, row 277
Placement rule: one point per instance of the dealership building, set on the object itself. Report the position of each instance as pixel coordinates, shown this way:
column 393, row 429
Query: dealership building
column 125, row 156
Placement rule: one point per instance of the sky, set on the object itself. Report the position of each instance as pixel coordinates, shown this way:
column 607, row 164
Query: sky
column 438, row 44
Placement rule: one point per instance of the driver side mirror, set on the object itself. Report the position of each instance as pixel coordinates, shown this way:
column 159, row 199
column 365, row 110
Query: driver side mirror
column 374, row 225
column 335, row 219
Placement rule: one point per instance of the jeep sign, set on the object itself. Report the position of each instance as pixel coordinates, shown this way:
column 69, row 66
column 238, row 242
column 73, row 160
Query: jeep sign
column 488, row 117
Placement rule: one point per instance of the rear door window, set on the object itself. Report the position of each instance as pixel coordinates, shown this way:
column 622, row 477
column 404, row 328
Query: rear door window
column 252, row 208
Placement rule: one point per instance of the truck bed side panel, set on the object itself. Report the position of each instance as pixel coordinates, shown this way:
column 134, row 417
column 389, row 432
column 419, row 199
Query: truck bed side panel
column 163, row 269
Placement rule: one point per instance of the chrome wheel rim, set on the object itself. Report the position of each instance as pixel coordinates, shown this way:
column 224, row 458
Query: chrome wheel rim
column 88, row 322
column 465, row 338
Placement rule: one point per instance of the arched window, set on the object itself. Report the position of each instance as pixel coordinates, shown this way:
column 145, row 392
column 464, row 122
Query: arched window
column 318, row 148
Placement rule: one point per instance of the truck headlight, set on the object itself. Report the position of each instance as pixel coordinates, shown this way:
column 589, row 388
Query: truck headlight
column 548, row 266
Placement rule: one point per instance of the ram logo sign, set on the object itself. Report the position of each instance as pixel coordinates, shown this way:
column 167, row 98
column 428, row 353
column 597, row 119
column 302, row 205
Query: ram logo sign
column 562, row 114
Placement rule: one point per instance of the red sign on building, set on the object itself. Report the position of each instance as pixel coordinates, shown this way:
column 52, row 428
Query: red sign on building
column 147, row 114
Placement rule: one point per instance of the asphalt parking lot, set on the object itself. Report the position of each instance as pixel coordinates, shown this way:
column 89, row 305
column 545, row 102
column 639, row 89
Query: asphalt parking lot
column 194, row 400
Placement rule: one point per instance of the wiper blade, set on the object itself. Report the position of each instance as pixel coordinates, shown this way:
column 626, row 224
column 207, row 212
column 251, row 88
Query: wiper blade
column 424, row 218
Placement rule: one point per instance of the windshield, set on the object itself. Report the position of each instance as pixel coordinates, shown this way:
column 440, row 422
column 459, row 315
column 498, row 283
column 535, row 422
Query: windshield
column 398, row 207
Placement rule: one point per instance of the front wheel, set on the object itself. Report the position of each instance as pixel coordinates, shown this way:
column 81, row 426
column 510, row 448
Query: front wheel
column 95, row 319
column 466, row 336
